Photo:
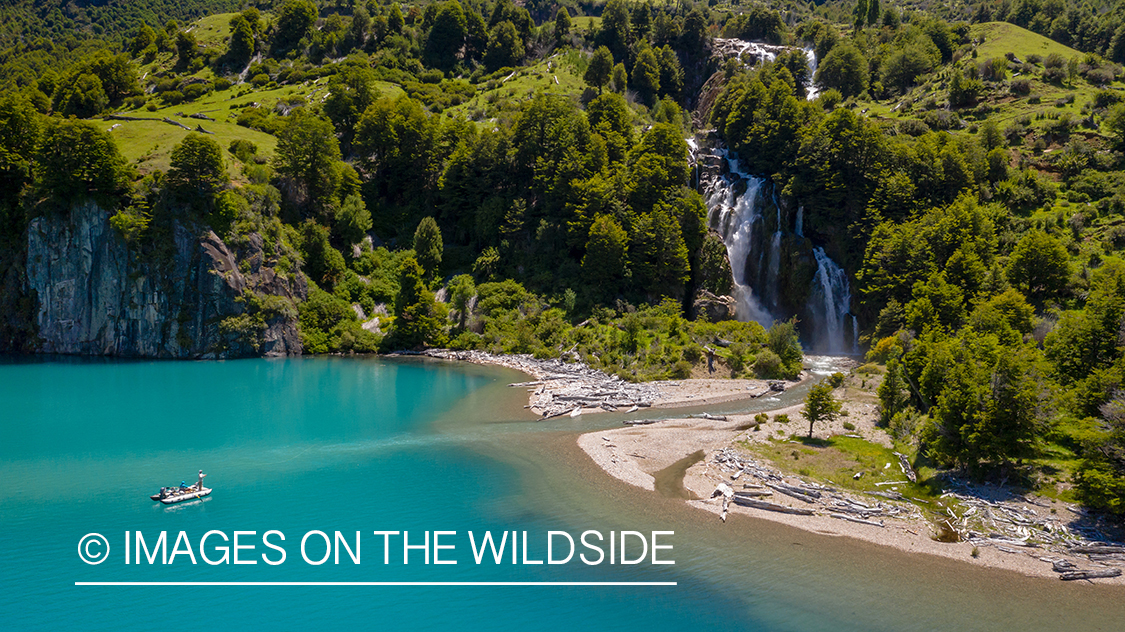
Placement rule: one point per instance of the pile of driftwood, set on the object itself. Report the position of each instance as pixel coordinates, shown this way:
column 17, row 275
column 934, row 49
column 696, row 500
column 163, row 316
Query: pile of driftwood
column 759, row 481
column 564, row 388
column 994, row 517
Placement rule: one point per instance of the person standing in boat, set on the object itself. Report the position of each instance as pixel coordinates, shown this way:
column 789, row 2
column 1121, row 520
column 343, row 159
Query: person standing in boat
column 199, row 485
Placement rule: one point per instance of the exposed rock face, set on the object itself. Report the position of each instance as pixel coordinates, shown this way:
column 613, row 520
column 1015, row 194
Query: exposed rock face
column 716, row 308
column 96, row 297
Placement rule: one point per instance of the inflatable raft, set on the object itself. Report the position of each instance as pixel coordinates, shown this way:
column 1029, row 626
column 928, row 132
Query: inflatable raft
column 173, row 495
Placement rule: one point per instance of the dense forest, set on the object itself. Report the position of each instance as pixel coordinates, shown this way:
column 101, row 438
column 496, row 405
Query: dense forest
column 515, row 178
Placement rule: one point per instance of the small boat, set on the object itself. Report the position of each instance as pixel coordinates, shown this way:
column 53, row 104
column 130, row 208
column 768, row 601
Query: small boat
column 173, row 495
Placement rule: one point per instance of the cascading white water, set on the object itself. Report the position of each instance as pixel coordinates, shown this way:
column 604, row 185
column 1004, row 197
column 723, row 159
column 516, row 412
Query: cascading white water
column 813, row 92
column 829, row 301
column 734, row 217
column 756, row 260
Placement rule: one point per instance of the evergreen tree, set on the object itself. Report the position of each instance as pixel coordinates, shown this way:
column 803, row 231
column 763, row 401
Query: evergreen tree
column 84, row 97
column 873, row 12
column 620, row 78
column 505, row 48
column 614, row 33
column 306, row 158
column 77, row 159
column 599, row 69
column 419, row 319
column 603, row 266
column 447, row 36
column 350, row 92
column 395, row 21
column 354, row 220
column 1039, row 266
column 187, row 50
column 562, row 23
column 845, row 69
column 241, row 47
column 820, row 406
column 671, row 74
column 893, row 393
column 646, row 76
column 197, row 167
column 294, row 21
column 428, row 246
column 860, row 14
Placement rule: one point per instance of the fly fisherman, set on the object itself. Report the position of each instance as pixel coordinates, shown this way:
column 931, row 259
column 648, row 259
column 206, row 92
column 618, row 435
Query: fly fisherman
column 199, row 485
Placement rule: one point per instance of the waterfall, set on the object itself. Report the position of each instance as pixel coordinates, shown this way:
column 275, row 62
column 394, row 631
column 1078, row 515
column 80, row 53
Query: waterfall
column 813, row 92
column 760, row 256
column 834, row 327
column 734, row 217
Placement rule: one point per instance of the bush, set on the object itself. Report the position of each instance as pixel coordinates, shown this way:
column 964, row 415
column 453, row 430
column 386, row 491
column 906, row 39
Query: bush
column 904, row 424
column 913, row 127
column 849, row 426
column 1021, row 87
column 768, row 365
column 681, row 370
column 836, row 379
column 781, row 419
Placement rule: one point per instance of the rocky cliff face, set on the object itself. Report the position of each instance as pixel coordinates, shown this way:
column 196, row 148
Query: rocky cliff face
column 95, row 296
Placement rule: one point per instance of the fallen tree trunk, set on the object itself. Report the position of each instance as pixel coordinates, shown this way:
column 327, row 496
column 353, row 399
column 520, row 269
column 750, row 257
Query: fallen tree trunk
column 750, row 493
column 808, row 496
column 768, row 506
column 904, row 465
column 1097, row 549
column 854, row 519
column 1090, row 574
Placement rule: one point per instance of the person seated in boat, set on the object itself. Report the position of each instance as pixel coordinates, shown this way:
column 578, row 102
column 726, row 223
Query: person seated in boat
column 183, row 485
column 199, row 485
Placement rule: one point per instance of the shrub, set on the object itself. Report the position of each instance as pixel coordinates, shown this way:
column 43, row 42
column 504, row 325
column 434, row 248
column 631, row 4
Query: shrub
column 849, row 426
column 836, row 379
column 904, row 424
column 768, row 365
column 1021, row 87
column 781, row 419
column 913, row 127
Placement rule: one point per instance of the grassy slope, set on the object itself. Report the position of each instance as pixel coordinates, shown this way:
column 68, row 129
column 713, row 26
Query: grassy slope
column 1000, row 38
column 148, row 144
column 567, row 67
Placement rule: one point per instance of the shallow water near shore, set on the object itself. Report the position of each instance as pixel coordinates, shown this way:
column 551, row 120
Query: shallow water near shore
column 347, row 444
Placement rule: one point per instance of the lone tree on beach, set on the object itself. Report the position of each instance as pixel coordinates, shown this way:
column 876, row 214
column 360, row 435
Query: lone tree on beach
column 820, row 405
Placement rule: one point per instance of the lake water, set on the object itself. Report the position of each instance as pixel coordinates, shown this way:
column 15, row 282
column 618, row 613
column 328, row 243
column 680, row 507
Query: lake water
column 363, row 444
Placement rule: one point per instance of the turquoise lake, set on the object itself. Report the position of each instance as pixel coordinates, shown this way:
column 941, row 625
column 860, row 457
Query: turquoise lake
column 367, row 444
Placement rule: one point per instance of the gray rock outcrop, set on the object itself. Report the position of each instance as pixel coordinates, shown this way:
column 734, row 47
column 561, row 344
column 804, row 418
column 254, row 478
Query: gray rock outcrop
column 95, row 296
column 716, row 308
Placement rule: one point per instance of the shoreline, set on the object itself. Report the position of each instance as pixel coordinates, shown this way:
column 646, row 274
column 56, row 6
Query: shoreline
column 560, row 388
column 637, row 455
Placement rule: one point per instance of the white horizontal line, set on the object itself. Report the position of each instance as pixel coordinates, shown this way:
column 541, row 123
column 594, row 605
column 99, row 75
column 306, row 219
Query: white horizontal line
column 375, row 583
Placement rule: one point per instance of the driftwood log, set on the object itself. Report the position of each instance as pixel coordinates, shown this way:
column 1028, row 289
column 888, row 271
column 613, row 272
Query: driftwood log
column 1090, row 574
column 746, row 501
